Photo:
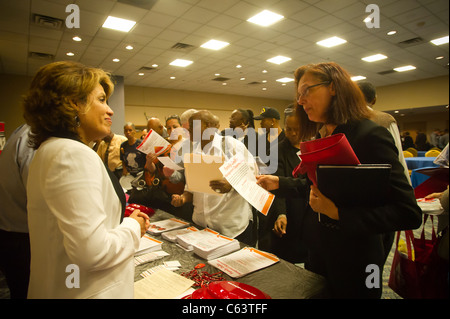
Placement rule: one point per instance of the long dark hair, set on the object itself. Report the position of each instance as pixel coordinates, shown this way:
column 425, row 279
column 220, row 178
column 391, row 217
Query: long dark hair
column 347, row 105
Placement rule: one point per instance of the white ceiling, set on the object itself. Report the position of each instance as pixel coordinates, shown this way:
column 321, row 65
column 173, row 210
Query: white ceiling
column 194, row 22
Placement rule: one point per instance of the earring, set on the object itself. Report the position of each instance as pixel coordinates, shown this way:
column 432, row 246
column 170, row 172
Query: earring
column 77, row 121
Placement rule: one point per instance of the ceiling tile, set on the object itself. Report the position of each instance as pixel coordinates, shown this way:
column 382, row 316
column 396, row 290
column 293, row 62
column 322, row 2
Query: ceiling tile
column 196, row 21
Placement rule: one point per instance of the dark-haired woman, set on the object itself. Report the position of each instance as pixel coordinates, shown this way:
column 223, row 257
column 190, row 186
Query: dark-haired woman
column 347, row 241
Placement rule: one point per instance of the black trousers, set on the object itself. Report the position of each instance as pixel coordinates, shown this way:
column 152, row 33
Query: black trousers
column 15, row 262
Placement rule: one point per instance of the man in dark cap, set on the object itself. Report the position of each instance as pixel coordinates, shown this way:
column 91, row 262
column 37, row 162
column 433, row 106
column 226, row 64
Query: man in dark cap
column 274, row 134
column 268, row 153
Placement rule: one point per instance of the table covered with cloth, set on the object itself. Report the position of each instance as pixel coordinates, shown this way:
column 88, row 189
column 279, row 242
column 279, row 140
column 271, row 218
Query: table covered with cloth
column 282, row 280
column 420, row 162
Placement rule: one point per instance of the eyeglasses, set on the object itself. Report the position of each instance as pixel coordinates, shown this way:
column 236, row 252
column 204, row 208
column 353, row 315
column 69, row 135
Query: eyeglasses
column 306, row 90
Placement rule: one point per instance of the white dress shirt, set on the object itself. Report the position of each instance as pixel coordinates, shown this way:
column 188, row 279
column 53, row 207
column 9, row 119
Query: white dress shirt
column 228, row 214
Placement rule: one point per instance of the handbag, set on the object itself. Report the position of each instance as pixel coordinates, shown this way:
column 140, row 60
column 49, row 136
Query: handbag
column 420, row 273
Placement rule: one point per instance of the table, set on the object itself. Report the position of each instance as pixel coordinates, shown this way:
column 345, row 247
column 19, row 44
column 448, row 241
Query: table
column 420, row 162
column 282, row 280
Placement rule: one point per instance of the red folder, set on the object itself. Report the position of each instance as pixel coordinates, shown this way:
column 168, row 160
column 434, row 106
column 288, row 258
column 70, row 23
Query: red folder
column 331, row 150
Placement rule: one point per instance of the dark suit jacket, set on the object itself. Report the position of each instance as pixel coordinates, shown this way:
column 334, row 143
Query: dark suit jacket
column 342, row 251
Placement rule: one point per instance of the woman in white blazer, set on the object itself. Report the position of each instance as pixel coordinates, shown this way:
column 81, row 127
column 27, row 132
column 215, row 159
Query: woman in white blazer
column 80, row 246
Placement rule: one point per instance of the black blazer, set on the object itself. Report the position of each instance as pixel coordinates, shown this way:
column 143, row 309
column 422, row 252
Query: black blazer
column 342, row 250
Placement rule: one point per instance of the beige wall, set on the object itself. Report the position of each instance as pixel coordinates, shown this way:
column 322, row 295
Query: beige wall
column 162, row 103
column 428, row 92
column 165, row 102
column 12, row 88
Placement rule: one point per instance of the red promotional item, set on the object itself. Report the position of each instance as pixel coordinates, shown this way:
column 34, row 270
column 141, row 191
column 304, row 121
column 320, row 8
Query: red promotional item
column 235, row 290
column 229, row 290
column 437, row 182
column 331, row 150
column 131, row 207
column 202, row 293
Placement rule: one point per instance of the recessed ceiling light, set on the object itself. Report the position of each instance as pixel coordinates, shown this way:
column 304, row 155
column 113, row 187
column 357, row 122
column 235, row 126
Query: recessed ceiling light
column 141, row 74
column 238, row 66
column 279, row 59
column 224, row 83
column 265, row 18
column 440, row 41
column 331, row 42
column 118, row 24
column 285, row 80
column 116, row 60
column 129, row 47
column 214, row 45
column 76, row 38
column 358, row 78
column 264, row 81
column 439, row 57
column 155, row 65
column 264, row 71
column 70, row 54
column 242, row 79
column 217, row 74
column 181, row 62
column 172, row 78
column 405, row 68
column 375, row 57
column 392, row 32
column 264, row 89
column 397, row 111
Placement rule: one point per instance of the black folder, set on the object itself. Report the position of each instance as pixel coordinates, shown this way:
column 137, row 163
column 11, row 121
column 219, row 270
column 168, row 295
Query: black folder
column 354, row 185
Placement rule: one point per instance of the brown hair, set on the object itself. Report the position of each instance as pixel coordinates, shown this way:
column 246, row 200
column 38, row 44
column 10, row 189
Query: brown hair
column 56, row 87
column 348, row 105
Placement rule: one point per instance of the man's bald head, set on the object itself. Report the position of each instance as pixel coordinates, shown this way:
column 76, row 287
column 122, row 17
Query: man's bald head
column 155, row 124
column 207, row 121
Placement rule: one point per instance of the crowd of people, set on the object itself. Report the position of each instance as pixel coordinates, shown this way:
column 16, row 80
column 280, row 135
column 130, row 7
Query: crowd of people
column 438, row 139
column 70, row 205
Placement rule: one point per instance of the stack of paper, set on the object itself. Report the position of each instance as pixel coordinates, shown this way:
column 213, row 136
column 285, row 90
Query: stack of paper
column 147, row 245
column 163, row 284
column 208, row 243
column 212, row 247
column 188, row 240
column 148, row 257
column 172, row 235
column 162, row 226
column 244, row 261
column 430, row 206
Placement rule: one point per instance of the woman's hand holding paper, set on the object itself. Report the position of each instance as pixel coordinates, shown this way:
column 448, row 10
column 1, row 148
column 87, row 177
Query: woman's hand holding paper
column 322, row 204
column 268, row 182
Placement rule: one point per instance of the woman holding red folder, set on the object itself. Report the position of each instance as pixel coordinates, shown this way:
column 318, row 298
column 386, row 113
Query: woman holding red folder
column 348, row 241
